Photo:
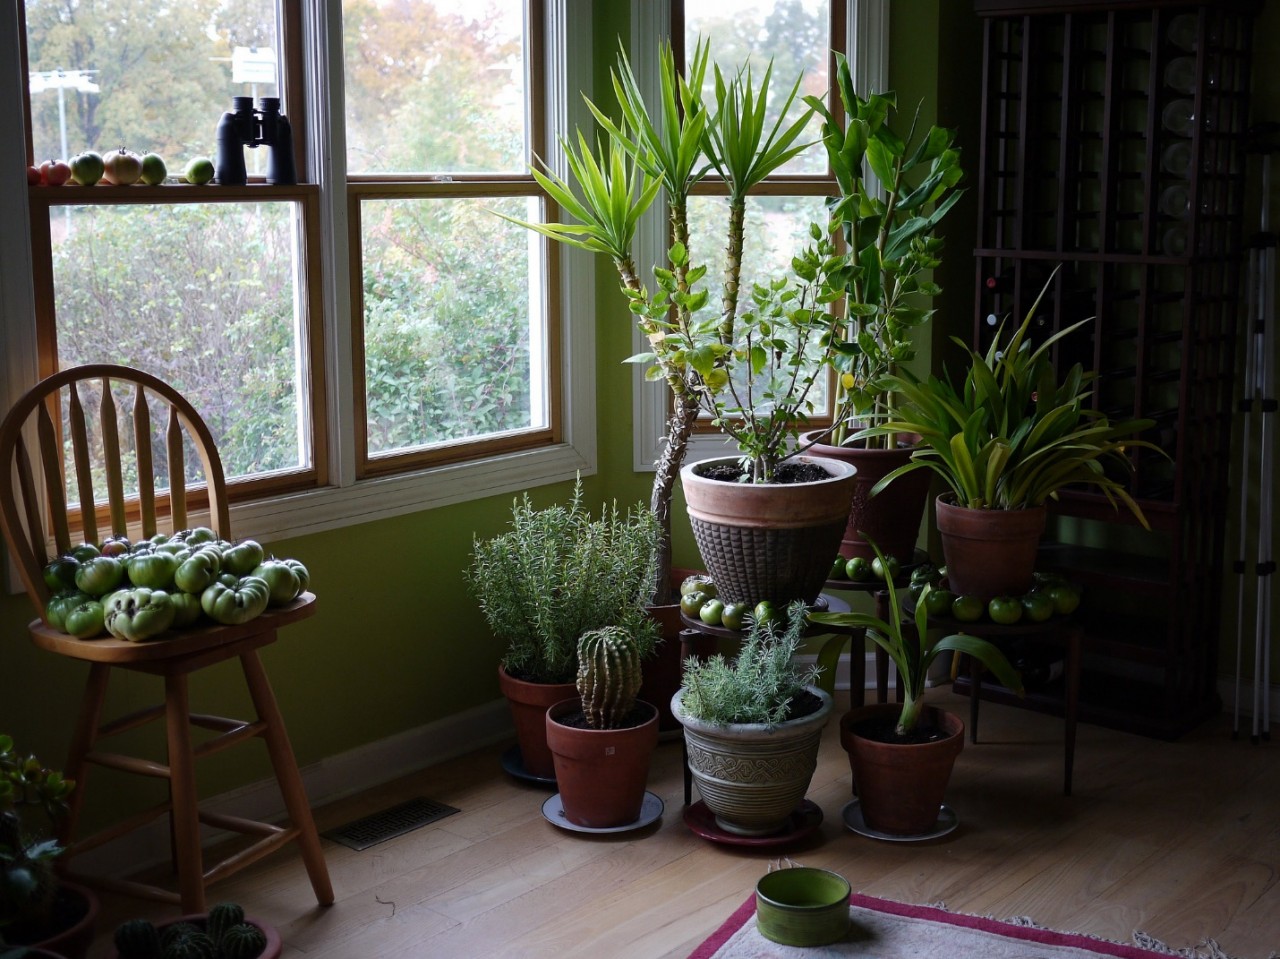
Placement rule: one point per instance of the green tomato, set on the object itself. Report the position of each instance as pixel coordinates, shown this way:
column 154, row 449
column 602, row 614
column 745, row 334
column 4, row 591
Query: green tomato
column 186, row 609
column 304, row 577
column 55, row 611
column 968, row 609
column 242, row 558
column 938, row 602
column 924, row 573
column 1005, row 610
column 99, row 575
column 1066, row 598
column 1037, row 606
column 711, row 612
column 86, row 551
column 281, row 579
column 231, row 604
column 838, row 568
column 196, row 573
column 886, row 568
column 60, row 573
column 764, row 613
column 116, row 546
column 138, row 614
column 200, row 535
column 698, row 583
column 152, row 570
column 859, row 570
column 691, row 603
column 86, row 620
column 733, row 615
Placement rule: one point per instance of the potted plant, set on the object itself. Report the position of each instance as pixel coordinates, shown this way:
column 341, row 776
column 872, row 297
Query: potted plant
column 36, row 908
column 752, row 727
column 1008, row 439
column 894, row 190
column 556, row 573
column 901, row 755
column 602, row 740
column 224, row 932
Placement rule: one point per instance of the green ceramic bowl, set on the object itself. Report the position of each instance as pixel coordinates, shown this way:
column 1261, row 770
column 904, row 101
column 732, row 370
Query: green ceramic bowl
column 801, row 906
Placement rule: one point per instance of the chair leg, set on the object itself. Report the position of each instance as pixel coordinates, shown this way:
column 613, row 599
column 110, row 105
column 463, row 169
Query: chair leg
column 83, row 738
column 184, row 816
column 286, row 769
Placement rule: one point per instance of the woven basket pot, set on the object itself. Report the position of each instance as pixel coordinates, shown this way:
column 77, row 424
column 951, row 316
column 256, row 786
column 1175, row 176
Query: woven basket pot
column 752, row 776
column 773, row 541
column 892, row 517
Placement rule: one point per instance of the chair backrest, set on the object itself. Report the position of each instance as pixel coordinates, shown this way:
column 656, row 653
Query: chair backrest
column 48, row 438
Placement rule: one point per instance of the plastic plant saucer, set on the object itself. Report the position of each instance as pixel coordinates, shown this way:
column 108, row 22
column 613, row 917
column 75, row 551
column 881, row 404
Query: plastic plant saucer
column 803, row 821
column 513, row 764
column 852, row 816
column 650, row 810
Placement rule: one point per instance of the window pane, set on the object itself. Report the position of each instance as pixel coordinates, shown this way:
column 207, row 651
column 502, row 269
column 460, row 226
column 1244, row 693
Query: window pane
column 202, row 296
column 796, row 34
column 146, row 76
column 454, row 331
column 435, row 86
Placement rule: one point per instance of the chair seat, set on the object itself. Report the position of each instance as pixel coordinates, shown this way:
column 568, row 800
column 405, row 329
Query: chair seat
column 174, row 644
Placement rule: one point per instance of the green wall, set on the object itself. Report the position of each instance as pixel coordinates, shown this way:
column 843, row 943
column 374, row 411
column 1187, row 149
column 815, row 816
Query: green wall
column 397, row 642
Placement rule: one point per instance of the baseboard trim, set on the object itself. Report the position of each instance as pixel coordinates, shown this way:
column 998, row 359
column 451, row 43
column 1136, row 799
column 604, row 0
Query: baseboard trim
column 330, row 779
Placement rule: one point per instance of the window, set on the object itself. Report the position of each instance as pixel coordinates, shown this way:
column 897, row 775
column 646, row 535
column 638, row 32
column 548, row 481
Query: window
column 376, row 324
column 798, row 35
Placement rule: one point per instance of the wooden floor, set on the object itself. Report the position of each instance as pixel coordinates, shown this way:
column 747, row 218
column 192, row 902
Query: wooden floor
column 1180, row 840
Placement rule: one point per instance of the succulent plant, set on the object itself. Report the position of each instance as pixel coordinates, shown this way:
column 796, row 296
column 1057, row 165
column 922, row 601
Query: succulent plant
column 242, row 941
column 191, row 945
column 608, row 675
column 222, row 917
column 137, row 939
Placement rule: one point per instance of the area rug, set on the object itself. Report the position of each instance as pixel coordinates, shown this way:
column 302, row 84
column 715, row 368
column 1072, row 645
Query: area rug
column 880, row 929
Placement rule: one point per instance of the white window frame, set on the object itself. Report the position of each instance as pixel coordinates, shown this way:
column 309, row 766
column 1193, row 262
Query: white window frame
column 867, row 47
column 345, row 501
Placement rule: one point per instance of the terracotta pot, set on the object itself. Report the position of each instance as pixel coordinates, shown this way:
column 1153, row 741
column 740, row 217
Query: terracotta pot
column 752, row 776
column 989, row 552
column 272, row 950
column 892, row 517
column 529, row 703
column 771, row 541
column 900, row 787
column 73, row 941
column 601, row 773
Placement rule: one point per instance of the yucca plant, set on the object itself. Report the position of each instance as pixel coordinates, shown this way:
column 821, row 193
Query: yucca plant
column 671, row 146
column 913, row 654
column 1012, row 435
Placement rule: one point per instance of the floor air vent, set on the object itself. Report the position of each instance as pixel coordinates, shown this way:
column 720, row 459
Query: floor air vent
column 389, row 823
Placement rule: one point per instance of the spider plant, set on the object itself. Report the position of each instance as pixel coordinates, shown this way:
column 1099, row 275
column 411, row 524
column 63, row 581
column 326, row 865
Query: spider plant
column 1012, row 436
column 912, row 655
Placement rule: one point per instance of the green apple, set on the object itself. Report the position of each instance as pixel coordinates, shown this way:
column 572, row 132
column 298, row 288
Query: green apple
column 153, row 170
column 198, row 170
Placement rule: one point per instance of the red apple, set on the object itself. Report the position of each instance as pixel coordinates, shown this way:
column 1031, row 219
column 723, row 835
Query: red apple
column 121, row 167
column 54, row 172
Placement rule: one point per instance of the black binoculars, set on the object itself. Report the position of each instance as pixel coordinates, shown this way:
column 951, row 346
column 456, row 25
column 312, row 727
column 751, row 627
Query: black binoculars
column 243, row 126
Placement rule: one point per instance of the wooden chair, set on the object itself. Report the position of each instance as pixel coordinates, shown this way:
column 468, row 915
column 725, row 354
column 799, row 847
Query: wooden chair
column 39, row 523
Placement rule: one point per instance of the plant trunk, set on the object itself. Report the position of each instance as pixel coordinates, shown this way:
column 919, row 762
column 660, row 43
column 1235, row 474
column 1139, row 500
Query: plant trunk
column 732, row 270
column 679, row 429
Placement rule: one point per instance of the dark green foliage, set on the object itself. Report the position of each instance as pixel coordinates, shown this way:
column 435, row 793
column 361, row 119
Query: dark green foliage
column 137, row 939
column 192, row 945
column 222, row 917
column 179, row 930
column 242, row 941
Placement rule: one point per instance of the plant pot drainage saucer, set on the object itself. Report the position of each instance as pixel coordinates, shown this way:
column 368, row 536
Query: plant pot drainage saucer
column 803, row 822
column 650, row 810
column 852, row 816
column 513, row 763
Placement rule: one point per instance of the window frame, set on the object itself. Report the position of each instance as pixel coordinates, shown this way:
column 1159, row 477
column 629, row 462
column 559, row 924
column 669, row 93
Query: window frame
column 339, row 495
column 864, row 26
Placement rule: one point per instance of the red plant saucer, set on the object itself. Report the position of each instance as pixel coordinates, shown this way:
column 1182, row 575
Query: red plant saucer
column 803, row 822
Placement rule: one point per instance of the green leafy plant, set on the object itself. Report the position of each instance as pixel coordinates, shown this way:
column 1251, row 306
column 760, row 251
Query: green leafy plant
column 559, row 572
column 27, row 881
column 913, row 654
column 1012, row 435
column 759, row 684
column 888, row 221
column 608, row 675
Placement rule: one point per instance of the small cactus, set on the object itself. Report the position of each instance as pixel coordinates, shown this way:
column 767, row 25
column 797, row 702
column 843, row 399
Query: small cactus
column 137, row 939
column 191, row 945
column 608, row 675
column 242, row 941
column 222, row 917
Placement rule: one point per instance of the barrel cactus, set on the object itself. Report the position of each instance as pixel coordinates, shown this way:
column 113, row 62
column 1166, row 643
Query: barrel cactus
column 193, row 945
column 242, row 941
column 222, row 917
column 608, row 675
column 137, row 939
